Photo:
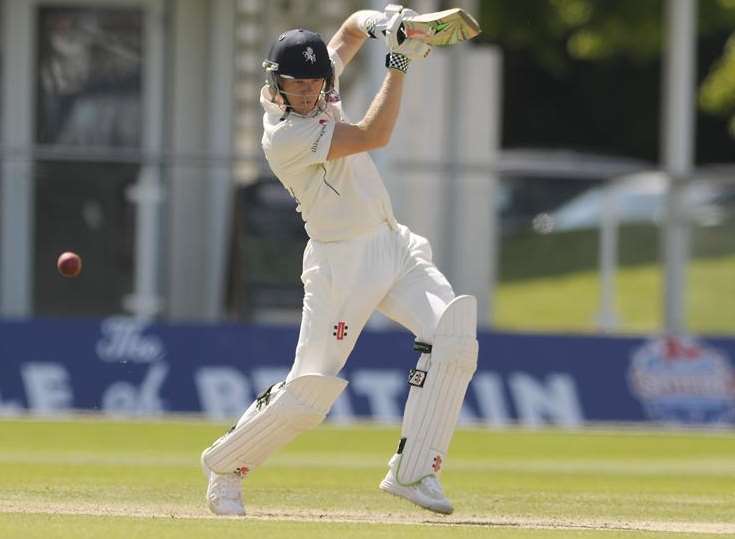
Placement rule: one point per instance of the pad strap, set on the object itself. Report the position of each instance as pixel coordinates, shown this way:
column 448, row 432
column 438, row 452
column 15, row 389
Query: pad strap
column 422, row 347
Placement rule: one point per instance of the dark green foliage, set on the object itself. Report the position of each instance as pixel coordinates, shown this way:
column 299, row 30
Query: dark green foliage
column 585, row 74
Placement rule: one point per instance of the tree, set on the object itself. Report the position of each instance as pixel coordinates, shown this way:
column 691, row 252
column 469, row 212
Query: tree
column 556, row 34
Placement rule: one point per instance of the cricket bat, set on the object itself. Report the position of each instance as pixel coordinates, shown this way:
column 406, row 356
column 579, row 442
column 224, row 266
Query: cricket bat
column 441, row 28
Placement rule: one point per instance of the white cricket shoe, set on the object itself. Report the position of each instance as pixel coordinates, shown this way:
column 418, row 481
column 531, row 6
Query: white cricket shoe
column 224, row 493
column 427, row 493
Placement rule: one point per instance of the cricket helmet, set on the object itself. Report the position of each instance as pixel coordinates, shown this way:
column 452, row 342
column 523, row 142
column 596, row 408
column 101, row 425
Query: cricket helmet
column 299, row 54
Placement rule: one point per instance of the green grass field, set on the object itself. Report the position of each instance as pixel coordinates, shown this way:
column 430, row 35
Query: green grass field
column 94, row 478
column 551, row 282
column 571, row 302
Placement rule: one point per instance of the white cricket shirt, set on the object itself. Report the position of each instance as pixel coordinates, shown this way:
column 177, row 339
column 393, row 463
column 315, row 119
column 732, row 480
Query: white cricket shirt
column 338, row 199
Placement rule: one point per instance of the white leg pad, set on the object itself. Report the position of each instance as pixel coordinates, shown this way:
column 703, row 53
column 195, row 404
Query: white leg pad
column 273, row 420
column 438, row 387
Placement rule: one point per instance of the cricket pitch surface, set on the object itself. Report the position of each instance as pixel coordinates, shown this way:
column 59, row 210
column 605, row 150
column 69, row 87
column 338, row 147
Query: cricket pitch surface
column 86, row 477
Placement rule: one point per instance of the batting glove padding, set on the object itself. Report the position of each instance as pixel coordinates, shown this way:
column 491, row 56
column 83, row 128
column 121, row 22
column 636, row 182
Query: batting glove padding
column 394, row 32
column 391, row 17
column 413, row 49
column 374, row 23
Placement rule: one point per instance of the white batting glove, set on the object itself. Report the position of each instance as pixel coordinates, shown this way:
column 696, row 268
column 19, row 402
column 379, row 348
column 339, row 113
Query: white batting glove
column 394, row 34
column 410, row 49
column 374, row 25
column 413, row 49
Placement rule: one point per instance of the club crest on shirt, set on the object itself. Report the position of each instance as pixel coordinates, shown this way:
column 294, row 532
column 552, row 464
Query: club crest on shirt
column 309, row 55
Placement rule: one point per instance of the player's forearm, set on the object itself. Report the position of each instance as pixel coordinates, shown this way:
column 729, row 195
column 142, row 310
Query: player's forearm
column 364, row 21
column 353, row 33
column 376, row 127
column 381, row 116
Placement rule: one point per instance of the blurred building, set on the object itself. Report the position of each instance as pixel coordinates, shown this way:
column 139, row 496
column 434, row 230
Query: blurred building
column 131, row 134
column 127, row 127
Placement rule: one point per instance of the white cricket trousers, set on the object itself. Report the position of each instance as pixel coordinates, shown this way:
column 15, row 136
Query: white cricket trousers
column 344, row 282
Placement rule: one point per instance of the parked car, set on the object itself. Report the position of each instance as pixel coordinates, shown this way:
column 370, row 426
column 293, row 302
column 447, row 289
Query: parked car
column 535, row 181
column 641, row 198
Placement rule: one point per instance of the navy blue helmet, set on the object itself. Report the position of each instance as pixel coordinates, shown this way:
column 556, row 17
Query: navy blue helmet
column 299, row 54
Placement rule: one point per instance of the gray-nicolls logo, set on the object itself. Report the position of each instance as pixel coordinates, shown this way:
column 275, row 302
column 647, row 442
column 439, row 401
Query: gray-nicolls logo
column 309, row 55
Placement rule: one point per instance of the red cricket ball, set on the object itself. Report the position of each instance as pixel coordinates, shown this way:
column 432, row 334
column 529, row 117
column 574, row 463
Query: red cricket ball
column 69, row 264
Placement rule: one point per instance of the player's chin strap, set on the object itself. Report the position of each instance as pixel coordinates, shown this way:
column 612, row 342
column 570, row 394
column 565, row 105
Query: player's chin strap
column 438, row 386
column 323, row 97
column 276, row 417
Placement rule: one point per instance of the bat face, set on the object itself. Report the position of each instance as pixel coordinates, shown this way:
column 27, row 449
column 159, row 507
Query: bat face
column 442, row 27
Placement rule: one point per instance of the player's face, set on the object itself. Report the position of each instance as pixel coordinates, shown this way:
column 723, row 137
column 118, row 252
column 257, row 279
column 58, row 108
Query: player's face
column 303, row 94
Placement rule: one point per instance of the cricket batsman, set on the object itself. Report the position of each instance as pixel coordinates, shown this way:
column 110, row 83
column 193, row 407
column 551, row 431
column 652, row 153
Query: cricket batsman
column 358, row 259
